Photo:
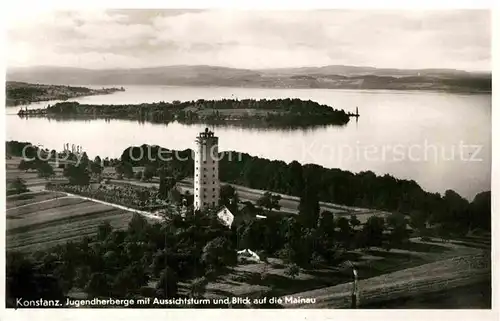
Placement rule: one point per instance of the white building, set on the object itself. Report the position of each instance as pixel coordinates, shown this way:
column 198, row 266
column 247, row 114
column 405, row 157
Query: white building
column 225, row 216
column 206, row 171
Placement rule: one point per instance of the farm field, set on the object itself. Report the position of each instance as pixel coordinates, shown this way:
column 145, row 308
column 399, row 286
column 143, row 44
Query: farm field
column 51, row 218
column 30, row 198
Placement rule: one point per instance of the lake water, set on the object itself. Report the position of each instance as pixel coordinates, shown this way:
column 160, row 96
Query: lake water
column 440, row 140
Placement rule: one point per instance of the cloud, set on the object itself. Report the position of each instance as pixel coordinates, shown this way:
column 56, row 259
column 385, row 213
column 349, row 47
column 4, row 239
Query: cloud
column 254, row 39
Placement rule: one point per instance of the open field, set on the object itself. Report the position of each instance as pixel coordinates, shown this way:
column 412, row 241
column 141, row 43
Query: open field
column 421, row 268
column 436, row 277
column 475, row 296
column 30, row 197
column 42, row 223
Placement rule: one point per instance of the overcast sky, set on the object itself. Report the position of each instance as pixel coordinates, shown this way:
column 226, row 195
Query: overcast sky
column 252, row 39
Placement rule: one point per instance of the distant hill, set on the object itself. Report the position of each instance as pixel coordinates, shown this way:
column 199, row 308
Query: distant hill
column 340, row 77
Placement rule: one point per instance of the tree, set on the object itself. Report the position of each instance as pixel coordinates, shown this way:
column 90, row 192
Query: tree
column 125, row 169
column 45, row 170
column 82, row 275
column 27, row 280
column 77, row 175
column 345, row 233
column 25, row 165
column 18, row 185
column 142, row 196
column 130, row 280
column 229, row 198
column 104, row 230
column 137, row 226
column 296, row 178
column 98, row 160
column 309, row 206
column 454, row 215
column 167, row 286
column 326, row 223
column 398, row 226
column 292, row 270
column 480, row 212
column 372, row 232
column 84, row 161
column 96, row 168
column 174, row 196
column 98, row 285
column 418, row 221
column 166, row 184
column 198, row 287
column 442, row 231
column 269, row 201
column 354, row 221
column 148, row 172
column 218, row 253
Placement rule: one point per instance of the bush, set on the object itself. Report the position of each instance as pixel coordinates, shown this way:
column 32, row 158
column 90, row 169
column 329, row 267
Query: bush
column 292, row 270
column 425, row 239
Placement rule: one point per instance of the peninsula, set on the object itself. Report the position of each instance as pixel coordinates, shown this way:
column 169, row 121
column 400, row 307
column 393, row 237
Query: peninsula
column 19, row 93
column 272, row 113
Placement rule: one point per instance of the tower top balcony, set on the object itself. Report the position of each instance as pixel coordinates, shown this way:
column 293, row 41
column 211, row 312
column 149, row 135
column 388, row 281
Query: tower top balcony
column 206, row 134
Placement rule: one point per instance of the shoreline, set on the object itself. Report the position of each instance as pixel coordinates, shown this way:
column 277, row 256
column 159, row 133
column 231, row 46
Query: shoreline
column 21, row 93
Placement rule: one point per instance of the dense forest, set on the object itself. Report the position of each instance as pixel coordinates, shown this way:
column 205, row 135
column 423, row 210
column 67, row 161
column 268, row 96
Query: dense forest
column 275, row 112
column 364, row 189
